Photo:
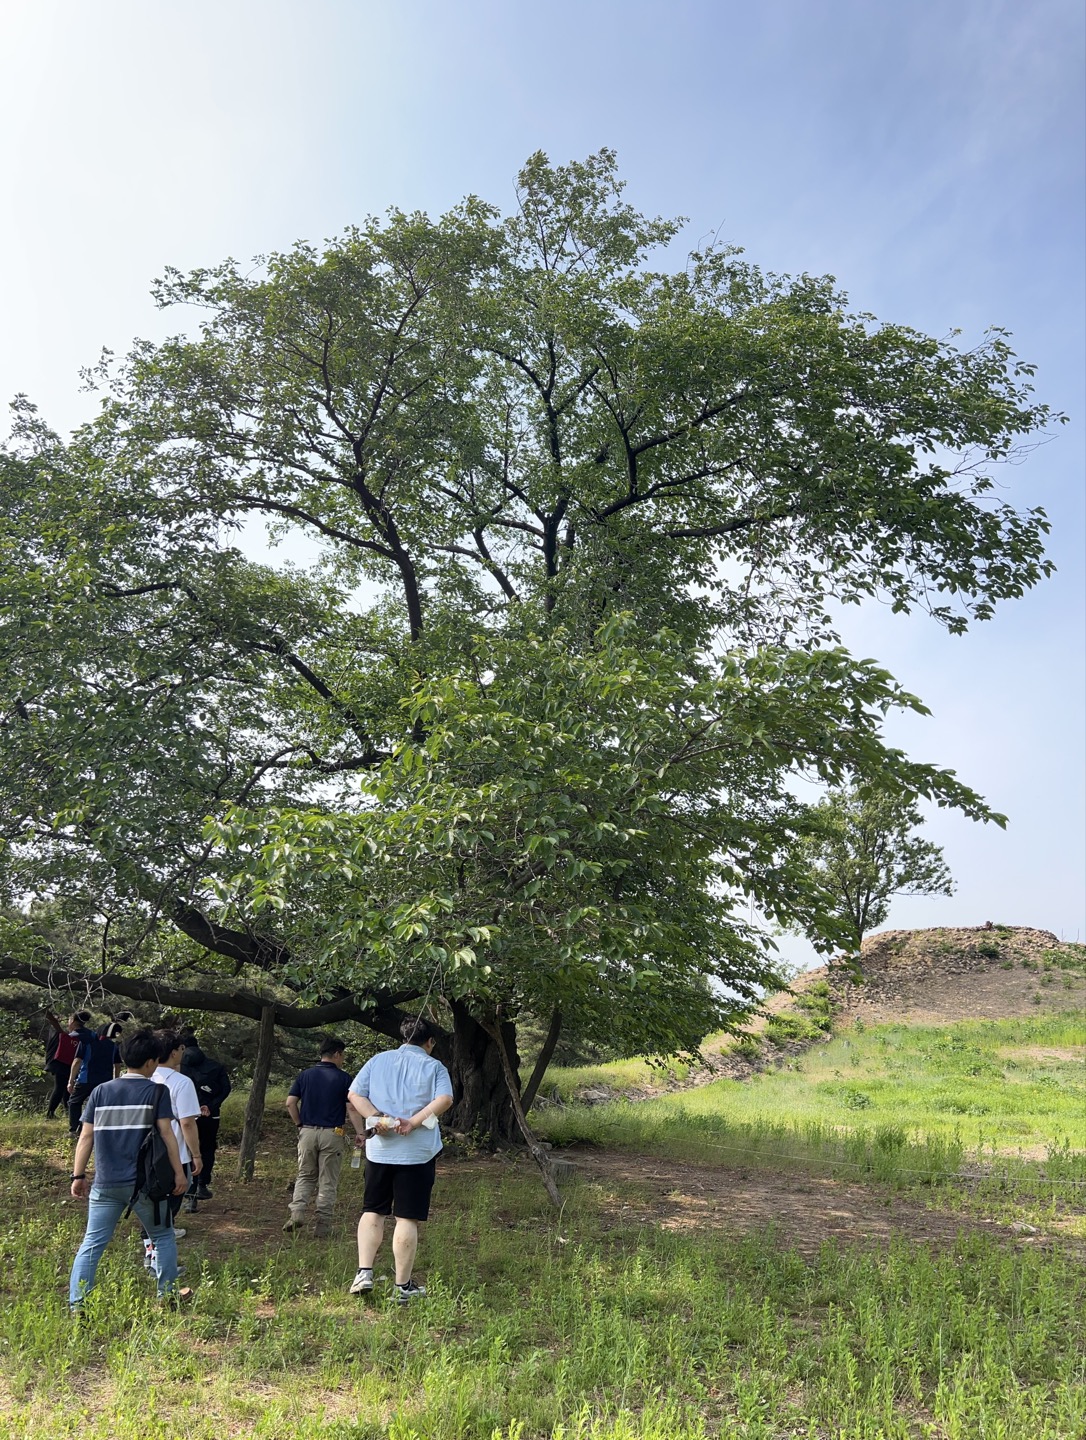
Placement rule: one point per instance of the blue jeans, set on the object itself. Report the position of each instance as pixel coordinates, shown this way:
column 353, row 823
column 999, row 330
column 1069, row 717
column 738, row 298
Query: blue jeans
column 107, row 1205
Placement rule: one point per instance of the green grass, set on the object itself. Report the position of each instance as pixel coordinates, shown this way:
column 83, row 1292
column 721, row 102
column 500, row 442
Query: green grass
column 973, row 1085
column 539, row 1326
column 562, row 1082
column 590, row 1325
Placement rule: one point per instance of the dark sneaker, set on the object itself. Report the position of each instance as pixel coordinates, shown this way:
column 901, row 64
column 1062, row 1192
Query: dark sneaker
column 362, row 1282
column 291, row 1226
column 203, row 1192
column 404, row 1294
column 177, row 1298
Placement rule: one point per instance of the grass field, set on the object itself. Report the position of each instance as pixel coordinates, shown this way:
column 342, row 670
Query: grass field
column 1002, row 1085
column 674, row 1297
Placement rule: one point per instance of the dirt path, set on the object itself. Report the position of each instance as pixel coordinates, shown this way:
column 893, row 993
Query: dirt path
column 808, row 1210
column 644, row 1190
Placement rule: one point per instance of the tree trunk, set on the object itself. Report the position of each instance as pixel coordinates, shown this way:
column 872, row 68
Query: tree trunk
column 254, row 1110
column 531, row 1090
column 481, row 1104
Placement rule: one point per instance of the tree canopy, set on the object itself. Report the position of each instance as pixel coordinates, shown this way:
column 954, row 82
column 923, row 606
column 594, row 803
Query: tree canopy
column 863, row 849
column 525, row 736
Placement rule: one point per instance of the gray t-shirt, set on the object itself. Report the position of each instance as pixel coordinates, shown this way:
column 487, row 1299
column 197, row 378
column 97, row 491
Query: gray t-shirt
column 122, row 1111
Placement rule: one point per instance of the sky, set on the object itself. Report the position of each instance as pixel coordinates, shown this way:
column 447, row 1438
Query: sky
column 929, row 155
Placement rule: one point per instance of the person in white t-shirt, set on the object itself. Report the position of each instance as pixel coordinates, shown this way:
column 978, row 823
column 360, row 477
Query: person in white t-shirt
column 186, row 1107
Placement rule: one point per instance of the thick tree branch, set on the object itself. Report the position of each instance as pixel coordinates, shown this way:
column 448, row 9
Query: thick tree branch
column 383, row 1015
column 729, row 527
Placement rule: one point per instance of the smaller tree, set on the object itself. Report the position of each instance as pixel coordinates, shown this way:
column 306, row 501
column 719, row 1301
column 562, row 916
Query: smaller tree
column 862, row 851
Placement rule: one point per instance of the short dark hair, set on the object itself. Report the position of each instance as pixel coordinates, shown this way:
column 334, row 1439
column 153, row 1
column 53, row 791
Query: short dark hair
column 332, row 1045
column 112, row 1031
column 416, row 1030
column 141, row 1046
column 83, row 1016
column 188, row 1035
column 168, row 1042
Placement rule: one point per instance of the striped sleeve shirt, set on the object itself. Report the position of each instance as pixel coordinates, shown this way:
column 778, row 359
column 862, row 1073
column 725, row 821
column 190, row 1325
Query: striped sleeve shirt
column 122, row 1112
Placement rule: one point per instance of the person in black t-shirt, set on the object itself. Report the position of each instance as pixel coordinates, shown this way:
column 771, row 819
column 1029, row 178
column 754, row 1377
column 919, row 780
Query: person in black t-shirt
column 317, row 1104
column 212, row 1087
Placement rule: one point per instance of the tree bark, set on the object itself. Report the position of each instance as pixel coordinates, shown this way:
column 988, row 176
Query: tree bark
column 482, row 1106
column 527, row 1099
column 254, row 1110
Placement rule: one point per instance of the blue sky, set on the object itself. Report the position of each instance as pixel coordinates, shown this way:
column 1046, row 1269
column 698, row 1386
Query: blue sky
column 930, row 155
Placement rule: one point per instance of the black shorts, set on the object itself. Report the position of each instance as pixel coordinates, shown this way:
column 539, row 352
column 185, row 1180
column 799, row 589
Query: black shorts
column 400, row 1190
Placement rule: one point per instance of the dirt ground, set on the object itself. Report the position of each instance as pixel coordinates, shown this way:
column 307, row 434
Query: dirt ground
column 808, row 1210
column 642, row 1190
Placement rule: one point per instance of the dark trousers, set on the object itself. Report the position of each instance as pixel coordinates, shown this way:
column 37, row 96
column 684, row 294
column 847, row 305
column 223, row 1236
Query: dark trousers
column 58, row 1073
column 75, row 1106
column 207, row 1127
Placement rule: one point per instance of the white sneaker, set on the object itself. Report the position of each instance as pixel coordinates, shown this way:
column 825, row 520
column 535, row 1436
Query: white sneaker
column 179, row 1232
column 362, row 1282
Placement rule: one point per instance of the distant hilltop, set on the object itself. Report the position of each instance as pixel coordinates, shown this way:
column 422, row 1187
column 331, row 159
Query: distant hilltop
column 983, row 972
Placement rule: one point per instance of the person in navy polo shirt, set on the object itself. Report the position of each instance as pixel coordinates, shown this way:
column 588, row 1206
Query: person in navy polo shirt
column 401, row 1093
column 317, row 1104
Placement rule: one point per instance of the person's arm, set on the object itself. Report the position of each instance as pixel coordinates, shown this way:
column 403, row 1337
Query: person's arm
column 356, row 1117
column 54, row 1020
column 294, row 1109
column 180, row 1179
column 77, row 1065
column 437, row 1106
column 83, row 1147
column 363, row 1105
column 192, row 1140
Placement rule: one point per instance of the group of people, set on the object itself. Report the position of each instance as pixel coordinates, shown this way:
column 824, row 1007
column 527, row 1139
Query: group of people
column 393, row 1105
column 78, row 1059
column 163, row 1080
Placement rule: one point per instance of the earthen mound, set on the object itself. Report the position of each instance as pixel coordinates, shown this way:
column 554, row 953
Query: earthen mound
column 931, row 977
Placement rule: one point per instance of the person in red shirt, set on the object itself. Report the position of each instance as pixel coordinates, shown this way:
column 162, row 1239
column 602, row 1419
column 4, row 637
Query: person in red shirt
column 59, row 1054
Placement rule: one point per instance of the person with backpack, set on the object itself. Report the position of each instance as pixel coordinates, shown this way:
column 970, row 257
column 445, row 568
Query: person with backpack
column 212, row 1087
column 97, row 1059
column 117, row 1125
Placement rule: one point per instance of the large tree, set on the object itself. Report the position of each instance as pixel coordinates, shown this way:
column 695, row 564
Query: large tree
column 523, row 737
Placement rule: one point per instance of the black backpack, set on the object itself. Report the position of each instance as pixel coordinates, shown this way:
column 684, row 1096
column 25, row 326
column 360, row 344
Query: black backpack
column 154, row 1168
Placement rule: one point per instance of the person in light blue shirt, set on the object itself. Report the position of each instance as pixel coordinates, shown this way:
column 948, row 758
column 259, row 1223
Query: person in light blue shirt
column 400, row 1093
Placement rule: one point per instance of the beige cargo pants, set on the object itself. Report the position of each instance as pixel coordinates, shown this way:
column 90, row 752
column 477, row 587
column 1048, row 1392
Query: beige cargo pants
column 320, row 1159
